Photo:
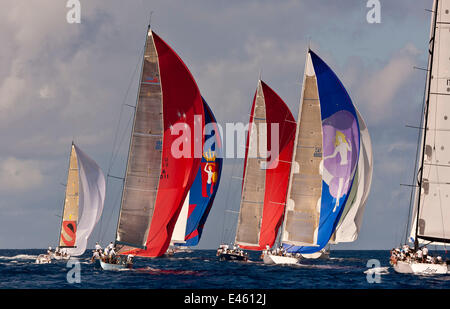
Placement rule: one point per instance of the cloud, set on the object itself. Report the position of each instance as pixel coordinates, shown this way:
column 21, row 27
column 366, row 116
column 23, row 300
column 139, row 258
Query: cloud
column 230, row 82
column 19, row 175
column 60, row 81
column 380, row 88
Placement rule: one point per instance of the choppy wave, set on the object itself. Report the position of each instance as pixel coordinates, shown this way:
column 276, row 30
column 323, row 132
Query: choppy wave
column 378, row 270
column 19, row 257
column 151, row 270
column 202, row 269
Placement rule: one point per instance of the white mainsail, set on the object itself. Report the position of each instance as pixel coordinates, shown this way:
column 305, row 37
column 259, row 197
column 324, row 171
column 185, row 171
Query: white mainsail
column 432, row 198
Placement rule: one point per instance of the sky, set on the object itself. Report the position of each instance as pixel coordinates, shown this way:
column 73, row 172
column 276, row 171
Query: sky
column 61, row 82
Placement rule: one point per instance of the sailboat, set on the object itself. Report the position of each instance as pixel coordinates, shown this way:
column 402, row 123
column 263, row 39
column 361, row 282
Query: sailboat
column 430, row 222
column 162, row 164
column 197, row 205
column 265, row 174
column 83, row 203
column 324, row 163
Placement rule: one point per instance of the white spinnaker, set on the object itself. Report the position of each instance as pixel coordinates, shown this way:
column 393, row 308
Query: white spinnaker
column 434, row 211
column 179, row 231
column 92, row 196
column 350, row 224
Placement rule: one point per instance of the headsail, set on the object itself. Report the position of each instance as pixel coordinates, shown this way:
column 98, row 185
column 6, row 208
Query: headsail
column 207, row 181
column 433, row 217
column 157, row 182
column 179, row 231
column 198, row 203
column 351, row 219
column 265, row 179
column 83, row 206
column 325, row 159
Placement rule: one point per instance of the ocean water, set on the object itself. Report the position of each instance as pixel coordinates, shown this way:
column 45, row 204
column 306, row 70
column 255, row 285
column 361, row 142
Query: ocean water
column 201, row 269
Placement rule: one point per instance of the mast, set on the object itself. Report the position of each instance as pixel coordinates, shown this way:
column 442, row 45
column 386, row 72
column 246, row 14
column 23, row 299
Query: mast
column 429, row 75
column 134, row 124
column 288, row 191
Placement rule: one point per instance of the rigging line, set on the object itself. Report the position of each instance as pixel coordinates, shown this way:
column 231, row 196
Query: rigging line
column 227, row 203
column 427, row 102
column 124, row 104
column 422, row 69
column 435, row 121
column 428, row 129
column 121, row 141
column 225, row 230
column 117, row 199
column 415, row 172
column 115, row 152
column 113, row 157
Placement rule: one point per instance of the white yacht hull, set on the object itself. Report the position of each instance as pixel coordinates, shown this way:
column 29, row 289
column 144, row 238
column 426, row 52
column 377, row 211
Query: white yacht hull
column 276, row 259
column 420, row 268
column 322, row 254
column 184, row 249
column 108, row 266
column 316, row 255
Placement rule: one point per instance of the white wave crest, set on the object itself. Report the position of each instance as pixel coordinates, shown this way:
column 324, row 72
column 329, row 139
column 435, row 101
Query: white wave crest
column 19, row 257
column 378, row 270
